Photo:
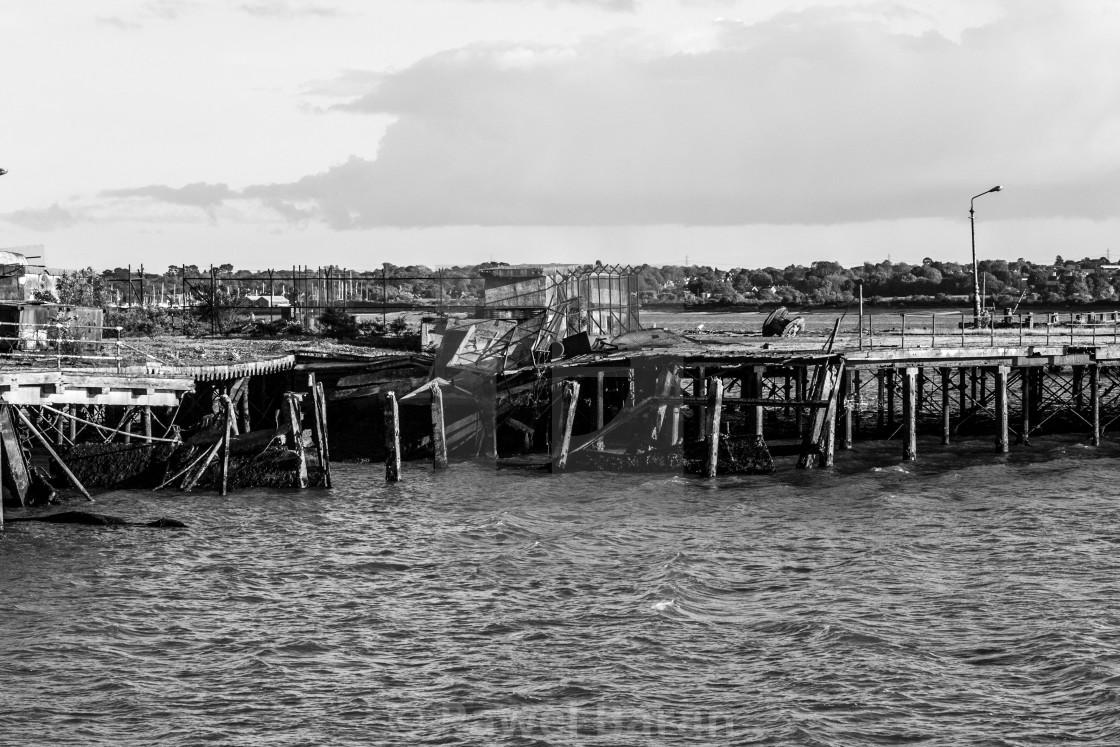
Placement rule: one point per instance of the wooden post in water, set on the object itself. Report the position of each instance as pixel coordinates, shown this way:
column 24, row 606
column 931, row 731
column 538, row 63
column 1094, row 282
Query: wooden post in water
column 946, row 382
column 828, row 447
column 802, row 395
column 325, row 444
column 318, row 427
column 567, row 419
column 392, row 438
column 846, row 406
column 73, row 423
column 1095, row 404
column 675, row 412
column 715, row 404
column 295, row 422
column 700, row 389
column 755, row 385
column 1001, row 408
column 600, row 407
column 910, row 413
column 881, row 379
column 1, row 488
column 891, row 386
column 146, row 416
column 243, row 407
column 227, row 434
column 439, row 435
column 1025, row 396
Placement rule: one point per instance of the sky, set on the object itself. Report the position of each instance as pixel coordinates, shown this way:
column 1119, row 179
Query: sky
column 734, row 133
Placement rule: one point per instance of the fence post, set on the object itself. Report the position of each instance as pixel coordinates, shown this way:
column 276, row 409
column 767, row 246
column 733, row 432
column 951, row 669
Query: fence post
column 904, row 330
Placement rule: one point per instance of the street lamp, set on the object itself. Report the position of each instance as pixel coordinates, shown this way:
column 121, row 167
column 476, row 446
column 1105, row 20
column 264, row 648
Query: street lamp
column 3, row 171
column 976, row 267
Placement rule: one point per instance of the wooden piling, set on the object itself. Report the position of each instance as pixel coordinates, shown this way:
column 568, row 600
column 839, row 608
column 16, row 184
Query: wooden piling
column 910, row 414
column 567, row 420
column 392, row 438
column 847, row 408
column 754, row 385
column 72, row 422
column 1000, row 383
column 146, row 416
column 1095, row 404
column 227, row 435
column 946, row 383
column 1, row 489
column 243, row 406
column 319, row 426
column 295, row 421
column 600, row 407
column 892, row 385
column 439, row 435
column 700, row 389
column 1025, row 396
column 325, row 446
column 715, row 405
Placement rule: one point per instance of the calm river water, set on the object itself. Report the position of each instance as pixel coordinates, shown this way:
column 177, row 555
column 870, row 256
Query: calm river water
column 968, row 599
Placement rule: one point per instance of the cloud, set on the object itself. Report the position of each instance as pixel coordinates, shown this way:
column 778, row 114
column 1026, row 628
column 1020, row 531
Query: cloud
column 611, row 5
column 284, row 9
column 45, row 219
column 199, row 194
column 825, row 116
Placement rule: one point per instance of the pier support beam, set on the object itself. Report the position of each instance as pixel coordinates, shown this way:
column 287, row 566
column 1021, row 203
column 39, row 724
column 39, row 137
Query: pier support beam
column 910, row 413
column 946, row 384
column 846, row 408
column 568, row 417
column 392, row 438
column 1001, row 408
column 1025, row 396
column 715, row 405
column 439, row 434
column 1095, row 404
column 600, row 406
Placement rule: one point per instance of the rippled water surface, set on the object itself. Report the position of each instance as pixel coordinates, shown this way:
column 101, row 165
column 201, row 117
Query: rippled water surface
column 966, row 599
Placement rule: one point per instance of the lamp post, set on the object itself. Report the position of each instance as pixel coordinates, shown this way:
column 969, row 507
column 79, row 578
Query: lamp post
column 976, row 267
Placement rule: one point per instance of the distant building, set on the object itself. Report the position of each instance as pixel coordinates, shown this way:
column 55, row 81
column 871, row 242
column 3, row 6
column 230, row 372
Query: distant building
column 20, row 280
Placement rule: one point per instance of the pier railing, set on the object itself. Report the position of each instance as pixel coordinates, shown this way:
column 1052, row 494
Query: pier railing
column 956, row 329
column 61, row 344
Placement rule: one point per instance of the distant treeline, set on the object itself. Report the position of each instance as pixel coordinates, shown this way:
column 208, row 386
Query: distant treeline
column 1003, row 282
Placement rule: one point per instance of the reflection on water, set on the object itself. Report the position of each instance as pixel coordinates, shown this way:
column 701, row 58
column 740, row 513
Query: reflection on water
column 963, row 599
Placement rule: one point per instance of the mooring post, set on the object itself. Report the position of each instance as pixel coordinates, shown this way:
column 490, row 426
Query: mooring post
column 715, row 404
column 439, row 435
column 1095, row 404
column 1025, row 396
column 910, row 414
column 846, row 406
column 567, row 419
column 946, row 382
column 392, row 438
column 1001, row 408
column 227, row 434
column 600, row 407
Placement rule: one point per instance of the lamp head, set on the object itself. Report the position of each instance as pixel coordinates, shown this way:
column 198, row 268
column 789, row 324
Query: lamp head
column 996, row 188
column 3, row 171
